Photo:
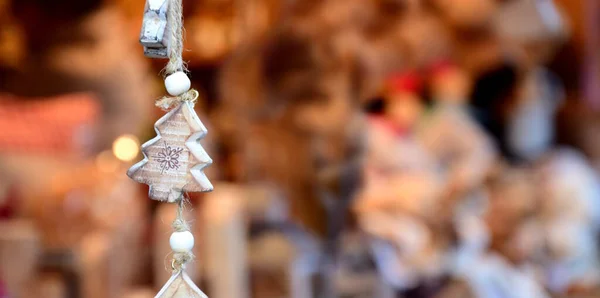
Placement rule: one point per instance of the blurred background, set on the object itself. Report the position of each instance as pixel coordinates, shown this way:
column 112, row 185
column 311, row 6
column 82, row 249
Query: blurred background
column 362, row 148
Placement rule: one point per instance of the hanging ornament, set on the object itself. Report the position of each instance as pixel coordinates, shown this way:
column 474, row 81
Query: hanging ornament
column 180, row 286
column 174, row 160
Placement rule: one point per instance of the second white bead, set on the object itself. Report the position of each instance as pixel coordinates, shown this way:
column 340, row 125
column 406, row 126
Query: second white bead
column 178, row 83
column 182, row 241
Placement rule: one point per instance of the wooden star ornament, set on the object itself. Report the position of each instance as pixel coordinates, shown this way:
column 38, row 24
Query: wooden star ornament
column 174, row 160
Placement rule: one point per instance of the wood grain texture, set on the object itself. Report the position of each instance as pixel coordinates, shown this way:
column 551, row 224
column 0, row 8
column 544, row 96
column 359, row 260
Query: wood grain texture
column 180, row 286
column 174, row 160
column 154, row 28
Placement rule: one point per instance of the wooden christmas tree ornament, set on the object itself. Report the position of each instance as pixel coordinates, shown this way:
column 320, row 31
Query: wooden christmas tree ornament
column 180, row 286
column 174, row 160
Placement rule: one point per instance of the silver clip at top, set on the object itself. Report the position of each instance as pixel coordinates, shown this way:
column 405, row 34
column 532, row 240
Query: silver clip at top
column 155, row 28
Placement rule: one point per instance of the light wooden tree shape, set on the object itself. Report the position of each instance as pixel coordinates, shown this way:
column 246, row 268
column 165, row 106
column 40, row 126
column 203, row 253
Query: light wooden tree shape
column 180, row 286
column 174, row 160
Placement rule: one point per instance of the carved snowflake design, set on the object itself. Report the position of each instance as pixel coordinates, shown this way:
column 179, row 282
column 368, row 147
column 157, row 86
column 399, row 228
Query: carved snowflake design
column 168, row 158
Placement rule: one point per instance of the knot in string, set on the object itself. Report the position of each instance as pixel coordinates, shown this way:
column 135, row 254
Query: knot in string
column 180, row 259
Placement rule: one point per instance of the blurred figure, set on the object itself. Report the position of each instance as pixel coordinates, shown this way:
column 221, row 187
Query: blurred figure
column 398, row 202
column 395, row 155
column 464, row 152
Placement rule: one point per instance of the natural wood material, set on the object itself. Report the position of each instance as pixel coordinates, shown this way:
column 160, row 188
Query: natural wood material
column 174, row 160
column 155, row 34
column 180, row 286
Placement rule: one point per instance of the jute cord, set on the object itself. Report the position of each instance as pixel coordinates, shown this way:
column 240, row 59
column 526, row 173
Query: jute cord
column 168, row 102
column 175, row 64
column 175, row 19
column 181, row 225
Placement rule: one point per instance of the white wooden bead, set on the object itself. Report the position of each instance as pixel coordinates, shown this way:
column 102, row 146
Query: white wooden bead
column 178, row 83
column 182, row 241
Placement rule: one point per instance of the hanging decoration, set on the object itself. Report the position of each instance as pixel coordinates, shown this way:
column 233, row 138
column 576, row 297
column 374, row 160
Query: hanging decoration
column 174, row 160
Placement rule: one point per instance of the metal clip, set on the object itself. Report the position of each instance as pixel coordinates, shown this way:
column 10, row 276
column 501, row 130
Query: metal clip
column 155, row 29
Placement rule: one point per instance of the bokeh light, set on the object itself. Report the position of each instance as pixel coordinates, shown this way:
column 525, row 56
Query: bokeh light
column 126, row 147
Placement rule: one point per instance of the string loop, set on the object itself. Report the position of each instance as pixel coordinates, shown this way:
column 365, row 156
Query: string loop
column 167, row 102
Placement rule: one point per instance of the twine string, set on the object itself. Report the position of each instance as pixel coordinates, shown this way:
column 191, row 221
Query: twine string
column 181, row 225
column 175, row 64
column 168, row 102
column 175, row 19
